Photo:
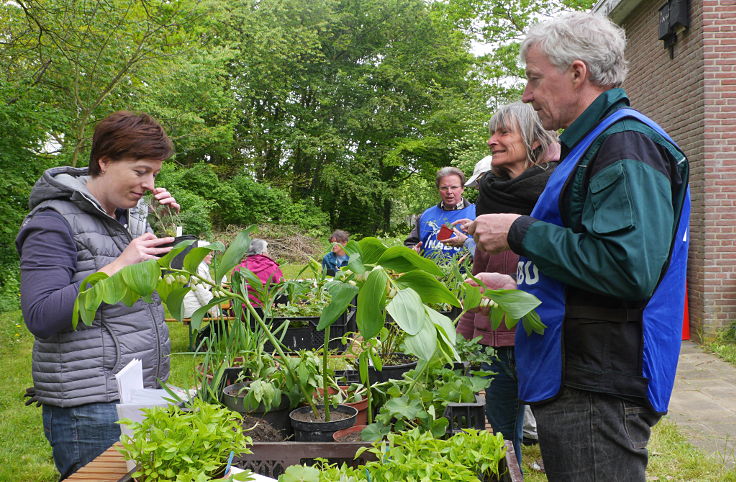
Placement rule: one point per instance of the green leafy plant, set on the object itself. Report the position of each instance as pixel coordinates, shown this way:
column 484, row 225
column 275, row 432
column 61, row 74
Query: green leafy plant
column 419, row 400
column 473, row 352
column 163, row 219
column 172, row 443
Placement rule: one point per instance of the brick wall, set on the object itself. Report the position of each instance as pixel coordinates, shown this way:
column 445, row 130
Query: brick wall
column 693, row 96
column 719, row 58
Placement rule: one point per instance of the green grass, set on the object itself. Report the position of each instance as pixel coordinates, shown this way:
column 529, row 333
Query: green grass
column 724, row 345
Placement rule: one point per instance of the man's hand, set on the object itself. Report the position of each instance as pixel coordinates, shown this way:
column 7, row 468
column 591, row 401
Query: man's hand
column 417, row 247
column 32, row 397
column 164, row 197
column 491, row 231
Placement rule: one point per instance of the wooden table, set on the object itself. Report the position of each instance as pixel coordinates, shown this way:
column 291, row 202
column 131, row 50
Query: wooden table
column 109, row 466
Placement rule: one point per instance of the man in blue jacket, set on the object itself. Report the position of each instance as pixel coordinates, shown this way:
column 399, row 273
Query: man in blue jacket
column 453, row 207
column 605, row 250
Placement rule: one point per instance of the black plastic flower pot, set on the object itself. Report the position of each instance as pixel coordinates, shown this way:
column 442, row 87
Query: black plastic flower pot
column 320, row 431
column 392, row 372
column 278, row 417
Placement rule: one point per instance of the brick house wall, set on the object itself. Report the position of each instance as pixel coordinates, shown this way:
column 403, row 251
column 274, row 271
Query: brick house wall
column 693, row 97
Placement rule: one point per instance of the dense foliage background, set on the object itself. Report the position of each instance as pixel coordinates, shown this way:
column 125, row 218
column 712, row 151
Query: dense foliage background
column 324, row 114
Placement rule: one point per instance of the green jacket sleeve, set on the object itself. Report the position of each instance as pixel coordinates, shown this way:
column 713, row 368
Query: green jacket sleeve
column 624, row 239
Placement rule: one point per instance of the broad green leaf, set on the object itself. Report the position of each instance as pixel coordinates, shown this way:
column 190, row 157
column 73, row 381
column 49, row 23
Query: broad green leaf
column 376, row 360
column 402, row 259
column 533, row 323
column 341, row 296
column 439, row 427
column 516, row 303
column 423, row 344
column 374, row 432
column 429, row 288
column 408, row 311
column 175, row 300
column 92, row 280
column 142, row 277
column 372, row 249
column 234, row 253
column 355, row 263
column 496, row 318
column 113, row 289
column 165, row 260
column 363, row 367
column 371, row 304
column 472, row 296
column 130, row 297
column 444, row 325
column 195, row 257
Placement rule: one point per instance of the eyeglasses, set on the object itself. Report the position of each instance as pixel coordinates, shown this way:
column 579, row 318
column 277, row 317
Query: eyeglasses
column 449, row 188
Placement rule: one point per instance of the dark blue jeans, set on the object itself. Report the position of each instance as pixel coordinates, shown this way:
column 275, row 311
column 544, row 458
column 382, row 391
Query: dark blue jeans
column 504, row 410
column 79, row 434
column 587, row 436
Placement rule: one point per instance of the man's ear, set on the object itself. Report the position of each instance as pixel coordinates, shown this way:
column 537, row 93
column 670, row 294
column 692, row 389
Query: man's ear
column 579, row 72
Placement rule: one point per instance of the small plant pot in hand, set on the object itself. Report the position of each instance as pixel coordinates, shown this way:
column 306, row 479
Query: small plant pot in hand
column 445, row 233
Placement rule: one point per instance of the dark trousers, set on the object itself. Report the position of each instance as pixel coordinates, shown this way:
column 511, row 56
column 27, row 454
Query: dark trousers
column 587, row 436
column 504, row 411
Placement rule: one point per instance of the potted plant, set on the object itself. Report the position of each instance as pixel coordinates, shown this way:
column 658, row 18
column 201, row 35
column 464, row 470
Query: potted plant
column 185, row 444
column 166, row 222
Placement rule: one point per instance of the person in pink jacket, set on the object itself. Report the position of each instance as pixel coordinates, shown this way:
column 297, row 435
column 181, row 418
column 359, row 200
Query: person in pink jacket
column 258, row 261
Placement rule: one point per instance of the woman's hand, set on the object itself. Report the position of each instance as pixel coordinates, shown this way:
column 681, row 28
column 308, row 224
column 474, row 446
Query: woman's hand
column 140, row 249
column 492, row 281
column 164, row 197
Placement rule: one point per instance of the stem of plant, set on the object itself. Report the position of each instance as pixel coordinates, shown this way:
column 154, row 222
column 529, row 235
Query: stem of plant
column 325, row 391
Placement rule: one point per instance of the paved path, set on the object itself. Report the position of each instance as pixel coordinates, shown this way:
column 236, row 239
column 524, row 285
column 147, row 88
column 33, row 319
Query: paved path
column 704, row 402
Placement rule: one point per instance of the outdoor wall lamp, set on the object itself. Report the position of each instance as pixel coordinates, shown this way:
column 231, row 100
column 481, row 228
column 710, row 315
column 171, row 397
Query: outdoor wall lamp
column 674, row 17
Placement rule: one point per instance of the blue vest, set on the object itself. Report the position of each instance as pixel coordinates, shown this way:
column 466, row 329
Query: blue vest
column 430, row 223
column 539, row 357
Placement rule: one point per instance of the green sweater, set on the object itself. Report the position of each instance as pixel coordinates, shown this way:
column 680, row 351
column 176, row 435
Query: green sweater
column 617, row 209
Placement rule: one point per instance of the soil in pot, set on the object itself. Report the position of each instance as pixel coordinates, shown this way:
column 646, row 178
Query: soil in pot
column 307, row 428
column 261, row 431
column 350, row 434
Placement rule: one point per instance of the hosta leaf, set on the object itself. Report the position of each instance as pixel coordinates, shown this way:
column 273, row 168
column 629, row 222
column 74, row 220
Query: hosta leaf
column 423, row 344
column 429, row 288
column 407, row 310
column 371, row 304
column 355, row 263
column 341, row 296
column 402, row 259
column 372, row 249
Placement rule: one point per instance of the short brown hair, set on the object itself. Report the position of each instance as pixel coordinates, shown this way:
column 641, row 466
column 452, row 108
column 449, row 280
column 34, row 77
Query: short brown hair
column 339, row 236
column 128, row 134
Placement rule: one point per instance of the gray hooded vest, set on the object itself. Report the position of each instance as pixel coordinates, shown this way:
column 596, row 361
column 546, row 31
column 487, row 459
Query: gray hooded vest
column 76, row 367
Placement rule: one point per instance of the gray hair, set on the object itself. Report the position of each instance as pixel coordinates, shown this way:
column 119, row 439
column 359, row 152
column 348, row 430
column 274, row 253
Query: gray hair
column 257, row 246
column 521, row 118
column 449, row 171
column 589, row 37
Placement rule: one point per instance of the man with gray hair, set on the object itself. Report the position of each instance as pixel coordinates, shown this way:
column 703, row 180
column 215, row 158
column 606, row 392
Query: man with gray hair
column 605, row 250
column 426, row 237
